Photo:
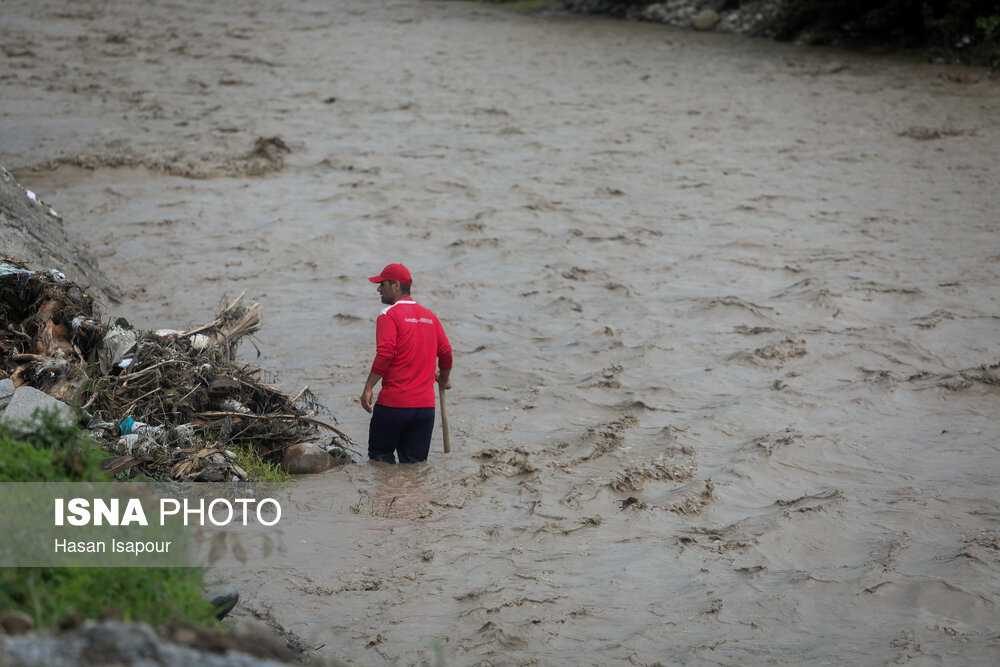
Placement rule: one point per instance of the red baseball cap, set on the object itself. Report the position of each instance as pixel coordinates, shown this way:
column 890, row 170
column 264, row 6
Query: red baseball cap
column 396, row 272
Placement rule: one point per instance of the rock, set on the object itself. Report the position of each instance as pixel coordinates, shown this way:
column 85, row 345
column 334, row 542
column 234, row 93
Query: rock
column 6, row 391
column 307, row 458
column 116, row 643
column 706, row 19
column 223, row 599
column 26, row 400
column 656, row 12
column 212, row 473
column 16, row 622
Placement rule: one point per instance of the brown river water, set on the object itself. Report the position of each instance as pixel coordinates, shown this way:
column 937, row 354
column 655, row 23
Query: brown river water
column 723, row 313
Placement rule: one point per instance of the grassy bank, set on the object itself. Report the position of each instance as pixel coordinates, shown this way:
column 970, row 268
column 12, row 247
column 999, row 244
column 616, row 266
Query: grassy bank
column 259, row 469
column 53, row 596
column 58, row 453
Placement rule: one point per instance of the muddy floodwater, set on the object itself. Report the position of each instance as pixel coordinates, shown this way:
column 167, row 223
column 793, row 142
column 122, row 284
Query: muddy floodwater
column 725, row 313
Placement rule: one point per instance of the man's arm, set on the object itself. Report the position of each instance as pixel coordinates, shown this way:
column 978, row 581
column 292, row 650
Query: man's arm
column 445, row 357
column 385, row 352
column 367, row 400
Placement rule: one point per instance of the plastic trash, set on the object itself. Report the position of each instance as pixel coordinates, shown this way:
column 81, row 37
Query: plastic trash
column 128, row 425
column 139, row 438
column 81, row 322
column 232, row 405
column 126, row 444
column 138, row 444
column 200, row 341
column 11, row 270
column 117, row 344
column 101, row 429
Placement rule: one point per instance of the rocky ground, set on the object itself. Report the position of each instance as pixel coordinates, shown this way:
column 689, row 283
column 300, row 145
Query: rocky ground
column 109, row 642
column 34, row 231
column 963, row 33
column 754, row 17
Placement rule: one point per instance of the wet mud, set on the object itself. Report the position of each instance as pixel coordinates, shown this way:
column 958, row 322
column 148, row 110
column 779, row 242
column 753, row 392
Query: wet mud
column 725, row 316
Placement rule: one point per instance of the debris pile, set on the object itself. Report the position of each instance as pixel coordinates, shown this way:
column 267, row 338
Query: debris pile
column 170, row 404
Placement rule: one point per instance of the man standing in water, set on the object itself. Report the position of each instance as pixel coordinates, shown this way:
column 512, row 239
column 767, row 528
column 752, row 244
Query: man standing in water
column 409, row 339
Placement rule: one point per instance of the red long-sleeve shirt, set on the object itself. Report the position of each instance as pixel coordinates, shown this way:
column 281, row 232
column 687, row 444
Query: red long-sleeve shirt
column 408, row 340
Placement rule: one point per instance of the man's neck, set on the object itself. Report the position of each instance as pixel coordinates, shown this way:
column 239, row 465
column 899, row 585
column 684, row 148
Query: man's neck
column 402, row 297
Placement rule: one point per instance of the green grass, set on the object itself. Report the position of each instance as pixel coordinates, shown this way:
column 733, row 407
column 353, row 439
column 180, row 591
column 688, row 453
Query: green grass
column 257, row 468
column 151, row 595
column 55, row 452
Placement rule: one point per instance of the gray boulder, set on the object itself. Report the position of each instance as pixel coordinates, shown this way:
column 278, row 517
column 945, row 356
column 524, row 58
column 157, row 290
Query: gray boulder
column 22, row 406
column 6, row 392
column 706, row 19
column 307, row 458
column 15, row 622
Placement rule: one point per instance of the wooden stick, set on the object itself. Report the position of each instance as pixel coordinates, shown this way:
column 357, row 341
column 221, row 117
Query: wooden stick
column 444, row 422
column 298, row 395
column 138, row 374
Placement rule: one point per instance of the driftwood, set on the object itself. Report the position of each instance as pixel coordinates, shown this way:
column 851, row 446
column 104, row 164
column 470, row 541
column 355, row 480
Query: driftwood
column 189, row 400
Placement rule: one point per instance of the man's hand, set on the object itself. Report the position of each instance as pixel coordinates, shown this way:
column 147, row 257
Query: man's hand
column 444, row 379
column 367, row 398
column 367, row 394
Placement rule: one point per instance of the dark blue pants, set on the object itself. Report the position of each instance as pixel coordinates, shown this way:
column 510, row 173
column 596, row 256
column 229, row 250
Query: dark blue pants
column 403, row 430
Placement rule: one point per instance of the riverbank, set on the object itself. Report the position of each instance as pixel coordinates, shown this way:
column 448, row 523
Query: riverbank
column 968, row 34
column 35, row 232
column 49, row 332
column 55, row 616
